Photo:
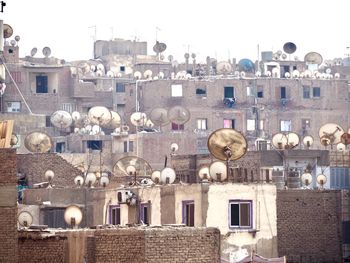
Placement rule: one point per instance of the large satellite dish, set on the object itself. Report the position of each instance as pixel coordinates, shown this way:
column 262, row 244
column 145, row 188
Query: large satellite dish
column 115, row 121
column 308, row 140
column 227, row 144
column 38, row 142
column 289, row 47
column 330, row 133
column 8, row 31
column 33, row 51
column 46, row 51
column 313, row 58
column 218, row 171
column 223, row 68
column 99, row 115
column 138, row 118
column 178, row 115
column 167, row 175
column 292, row 140
column 159, row 47
column 281, row 141
column 25, row 219
column 246, row 65
column 203, row 173
column 142, row 167
column 73, row 215
column 61, row 119
column 159, row 116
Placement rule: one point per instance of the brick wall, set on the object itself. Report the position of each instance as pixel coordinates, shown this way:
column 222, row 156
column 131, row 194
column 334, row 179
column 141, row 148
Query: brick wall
column 309, row 225
column 38, row 248
column 35, row 166
column 156, row 245
column 8, row 206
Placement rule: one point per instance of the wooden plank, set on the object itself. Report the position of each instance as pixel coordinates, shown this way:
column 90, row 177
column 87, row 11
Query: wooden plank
column 9, row 129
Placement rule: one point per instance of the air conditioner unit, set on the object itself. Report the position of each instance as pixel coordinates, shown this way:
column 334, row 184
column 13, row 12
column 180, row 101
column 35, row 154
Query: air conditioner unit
column 123, row 195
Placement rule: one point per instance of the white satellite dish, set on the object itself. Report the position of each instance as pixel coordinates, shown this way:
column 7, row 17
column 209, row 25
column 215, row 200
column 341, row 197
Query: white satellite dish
column 79, row 180
column 336, row 75
column 218, row 171
column 138, row 118
column 38, row 142
column 306, row 179
column 90, row 179
column 203, row 173
column 61, row 119
column 330, row 133
column 161, row 75
column 258, row 74
column 167, row 176
column 96, row 129
column 73, row 215
column 155, row 177
column 321, row 180
column 76, row 116
column 137, row 75
column 110, row 74
column 308, row 141
column 341, row 147
column 99, row 115
column 115, row 121
column 104, row 181
column 159, row 116
column 296, row 74
column 268, row 73
column 174, row 147
column 148, row 74
column 25, row 219
column 49, row 175
column 287, row 75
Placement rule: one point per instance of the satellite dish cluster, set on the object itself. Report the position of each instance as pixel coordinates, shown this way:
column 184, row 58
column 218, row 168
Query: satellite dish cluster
column 92, row 179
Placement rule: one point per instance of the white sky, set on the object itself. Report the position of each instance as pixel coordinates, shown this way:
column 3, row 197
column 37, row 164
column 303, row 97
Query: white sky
column 220, row 28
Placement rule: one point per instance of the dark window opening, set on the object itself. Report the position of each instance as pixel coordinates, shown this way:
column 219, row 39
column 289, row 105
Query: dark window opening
column 260, row 94
column 316, row 92
column 240, row 214
column 144, row 214
column 229, row 92
column 188, row 213
column 94, row 145
column 122, row 68
column 48, row 121
column 201, row 91
column 283, row 93
column 286, row 69
column 114, row 215
column 120, row 87
column 10, row 51
column 60, row 147
column 41, row 84
column 54, row 218
column 294, row 67
column 177, row 127
column 306, row 92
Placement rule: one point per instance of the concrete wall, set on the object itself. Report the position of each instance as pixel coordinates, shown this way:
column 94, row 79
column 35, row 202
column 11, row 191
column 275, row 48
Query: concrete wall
column 262, row 238
column 309, row 225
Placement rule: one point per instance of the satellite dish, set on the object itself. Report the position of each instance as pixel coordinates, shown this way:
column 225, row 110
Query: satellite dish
column 99, row 115
column 125, row 128
column 258, row 74
column 289, row 47
column 223, row 68
column 287, row 75
column 167, row 175
column 246, row 65
column 292, row 140
column 170, row 58
column 227, row 144
column 148, row 74
column 330, row 133
column 161, row 75
column 279, row 141
column 75, row 116
column 95, row 129
column 46, row 51
column 341, row 147
column 313, row 58
column 155, row 177
column 218, row 171
column 61, row 119
column 17, row 38
column 138, row 118
column 179, row 115
column 321, row 180
column 159, row 47
column 104, row 181
column 142, row 167
column 8, row 31
column 308, row 141
column 137, row 75
column 110, row 74
column 14, row 140
column 328, row 71
column 307, row 73
column 345, row 138
column 306, row 179
column 73, row 215
column 49, row 175
column 13, row 42
column 115, row 121
column 90, row 179
column 203, row 173
column 79, row 180
column 174, row 147
column 38, row 142
column 80, row 122
column 33, row 51
column 296, row 73
column 187, row 55
column 337, row 75
column 25, row 219
column 149, row 123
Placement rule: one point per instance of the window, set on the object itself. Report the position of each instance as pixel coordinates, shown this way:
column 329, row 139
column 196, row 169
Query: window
column 251, row 125
column 188, row 213
column 340, row 177
column 202, row 92
column 305, row 123
column 306, row 92
column 250, row 91
column 13, row 106
column 114, row 215
column 260, row 92
column 229, row 92
column 286, row 125
column 229, row 123
column 283, row 93
column 176, row 90
column 54, row 217
column 41, row 84
column 94, row 145
column 240, row 213
column 261, row 125
column 316, row 92
column 128, row 146
column 144, row 213
column 120, row 88
column 122, row 68
column 201, row 124
column 68, row 107
column 177, row 127
column 48, row 121
column 60, row 147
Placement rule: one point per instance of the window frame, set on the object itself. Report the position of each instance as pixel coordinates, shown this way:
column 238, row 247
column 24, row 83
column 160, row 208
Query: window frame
column 185, row 220
column 232, row 123
column 177, row 127
column 290, row 126
column 143, row 206
column 120, row 88
column 239, row 202
column 114, row 207
column 14, row 109
column 251, row 122
column 90, row 142
column 306, row 92
column 201, row 95
column 43, row 88
column 225, row 92
column 283, row 92
column 200, row 122
column 175, row 91
column 316, row 92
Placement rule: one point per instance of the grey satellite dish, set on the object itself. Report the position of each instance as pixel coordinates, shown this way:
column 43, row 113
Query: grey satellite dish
column 170, row 58
column 13, row 42
column 223, row 67
column 73, row 215
column 289, row 47
column 33, row 51
column 246, row 65
column 25, row 219
column 38, row 142
column 61, row 119
column 178, row 115
column 159, row 116
column 46, row 51
column 99, row 115
column 17, row 38
column 159, row 47
column 104, row 181
column 8, row 31
column 313, row 58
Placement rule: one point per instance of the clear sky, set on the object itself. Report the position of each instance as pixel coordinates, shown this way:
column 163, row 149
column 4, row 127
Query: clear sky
column 221, row 29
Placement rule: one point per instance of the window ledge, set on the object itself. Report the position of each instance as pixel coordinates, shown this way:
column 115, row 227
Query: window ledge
column 244, row 230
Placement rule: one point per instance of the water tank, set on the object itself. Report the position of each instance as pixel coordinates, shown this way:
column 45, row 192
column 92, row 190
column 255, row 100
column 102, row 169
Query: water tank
column 293, row 179
column 266, row 55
